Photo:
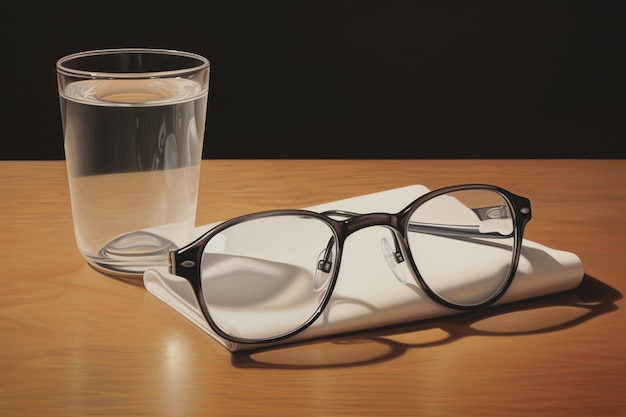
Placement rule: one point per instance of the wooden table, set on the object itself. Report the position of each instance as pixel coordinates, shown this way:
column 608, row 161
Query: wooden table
column 74, row 342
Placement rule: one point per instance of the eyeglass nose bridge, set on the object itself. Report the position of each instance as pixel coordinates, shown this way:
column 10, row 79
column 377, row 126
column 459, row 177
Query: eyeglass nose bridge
column 371, row 219
column 393, row 254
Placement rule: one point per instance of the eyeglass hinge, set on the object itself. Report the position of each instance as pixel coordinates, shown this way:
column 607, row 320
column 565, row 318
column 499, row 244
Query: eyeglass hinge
column 187, row 263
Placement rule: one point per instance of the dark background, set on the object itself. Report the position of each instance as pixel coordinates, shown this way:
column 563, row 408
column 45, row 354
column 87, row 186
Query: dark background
column 351, row 79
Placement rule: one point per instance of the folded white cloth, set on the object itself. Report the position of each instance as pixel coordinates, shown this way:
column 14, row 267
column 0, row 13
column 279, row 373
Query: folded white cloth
column 367, row 294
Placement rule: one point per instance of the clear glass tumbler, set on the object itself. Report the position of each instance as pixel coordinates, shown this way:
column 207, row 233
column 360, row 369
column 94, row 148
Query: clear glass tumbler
column 133, row 124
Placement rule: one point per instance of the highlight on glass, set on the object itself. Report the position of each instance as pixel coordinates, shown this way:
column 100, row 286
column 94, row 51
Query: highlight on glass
column 267, row 276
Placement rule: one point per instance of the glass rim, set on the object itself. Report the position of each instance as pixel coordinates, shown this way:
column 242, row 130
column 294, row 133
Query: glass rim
column 203, row 63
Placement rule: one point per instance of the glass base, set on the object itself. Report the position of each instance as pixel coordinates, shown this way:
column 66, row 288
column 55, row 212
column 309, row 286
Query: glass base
column 129, row 255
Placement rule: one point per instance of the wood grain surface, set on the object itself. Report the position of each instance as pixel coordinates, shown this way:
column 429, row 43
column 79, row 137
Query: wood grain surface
column 75, row 342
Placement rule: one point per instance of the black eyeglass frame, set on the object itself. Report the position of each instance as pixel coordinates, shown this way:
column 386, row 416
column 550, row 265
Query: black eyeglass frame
column 186, row 261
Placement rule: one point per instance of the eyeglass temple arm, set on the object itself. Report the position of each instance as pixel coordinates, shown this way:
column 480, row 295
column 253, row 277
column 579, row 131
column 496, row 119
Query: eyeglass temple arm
column 451, row 230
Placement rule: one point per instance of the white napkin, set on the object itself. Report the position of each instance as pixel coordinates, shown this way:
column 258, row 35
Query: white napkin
column 367, row 294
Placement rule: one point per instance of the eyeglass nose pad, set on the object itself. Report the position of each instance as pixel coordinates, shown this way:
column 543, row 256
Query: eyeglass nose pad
column 393, row 260
column 323, row 269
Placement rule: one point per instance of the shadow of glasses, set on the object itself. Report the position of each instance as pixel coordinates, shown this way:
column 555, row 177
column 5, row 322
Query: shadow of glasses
column 550, row 313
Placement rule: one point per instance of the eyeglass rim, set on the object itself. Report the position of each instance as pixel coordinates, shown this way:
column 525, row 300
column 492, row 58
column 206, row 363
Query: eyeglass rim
column 521, row 213
column 520, row 210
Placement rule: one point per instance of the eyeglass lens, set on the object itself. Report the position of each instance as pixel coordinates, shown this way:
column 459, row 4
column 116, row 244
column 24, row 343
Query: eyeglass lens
column 260, row 278
column 463, row 245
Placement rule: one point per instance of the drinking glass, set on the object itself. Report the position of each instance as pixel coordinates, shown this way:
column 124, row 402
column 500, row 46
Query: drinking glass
column 133, row 123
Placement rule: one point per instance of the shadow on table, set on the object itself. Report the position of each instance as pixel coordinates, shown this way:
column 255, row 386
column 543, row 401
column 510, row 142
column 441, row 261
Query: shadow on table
column 592, row 298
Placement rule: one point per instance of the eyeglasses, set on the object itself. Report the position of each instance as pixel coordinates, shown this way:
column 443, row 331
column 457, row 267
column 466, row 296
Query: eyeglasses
column 267, row 276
